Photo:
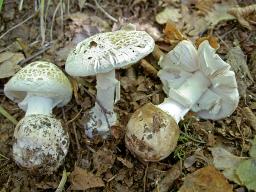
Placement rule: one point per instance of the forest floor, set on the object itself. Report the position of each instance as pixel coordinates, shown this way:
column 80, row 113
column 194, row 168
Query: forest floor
column 106, row 165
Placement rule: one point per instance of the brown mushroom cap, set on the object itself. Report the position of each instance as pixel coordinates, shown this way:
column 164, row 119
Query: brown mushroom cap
column 151, row 133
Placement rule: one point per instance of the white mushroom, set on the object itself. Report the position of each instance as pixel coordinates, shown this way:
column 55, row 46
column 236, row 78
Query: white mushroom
column 100, row 55
column 40, row 141
column 198, row 80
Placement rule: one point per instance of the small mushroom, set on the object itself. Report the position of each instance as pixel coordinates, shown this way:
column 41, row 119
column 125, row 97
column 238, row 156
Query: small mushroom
column 198, row 80
column 100, row 55
column 40, row 141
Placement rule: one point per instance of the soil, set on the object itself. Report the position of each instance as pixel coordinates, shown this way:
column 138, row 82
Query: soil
column 106, row 165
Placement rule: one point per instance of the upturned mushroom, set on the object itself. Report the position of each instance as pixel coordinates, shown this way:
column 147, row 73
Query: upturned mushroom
column 41, row 143
column 192, row 79
column 100, row 55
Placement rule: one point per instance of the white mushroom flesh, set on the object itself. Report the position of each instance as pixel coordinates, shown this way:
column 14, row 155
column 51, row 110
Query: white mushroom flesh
column 102, row 115
column 37, row 105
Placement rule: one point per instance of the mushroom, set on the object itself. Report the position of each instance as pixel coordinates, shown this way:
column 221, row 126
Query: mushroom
column 198, row 80
column 40, row 141
column 100, row 55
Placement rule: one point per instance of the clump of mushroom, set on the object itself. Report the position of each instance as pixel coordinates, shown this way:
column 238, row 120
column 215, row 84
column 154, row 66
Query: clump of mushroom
column 100, row 55
column 41, row 143
column 192, row 79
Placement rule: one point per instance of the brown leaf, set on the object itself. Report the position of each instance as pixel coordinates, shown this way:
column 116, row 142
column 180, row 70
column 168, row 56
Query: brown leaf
column 125, row 162
column 168, row 14
column 212, row 40
column 204, row 6
column 172, row 33
column 207, row 179
column 250, row 117
column 81, row 179
column 149, row 69
column 245, row 15
column 103, row 160
column 171, row 175
column 8, row 63
column 195, row 23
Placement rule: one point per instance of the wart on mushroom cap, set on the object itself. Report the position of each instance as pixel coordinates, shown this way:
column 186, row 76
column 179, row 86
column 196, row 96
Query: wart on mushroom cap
column 99, row 55
column 41, row 143
column 198, row 80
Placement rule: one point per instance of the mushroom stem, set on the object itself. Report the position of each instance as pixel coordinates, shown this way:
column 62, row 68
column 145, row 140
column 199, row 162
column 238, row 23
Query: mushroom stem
column 106, row 84
column 37, row 105
column 102, row 114
column 182, row 99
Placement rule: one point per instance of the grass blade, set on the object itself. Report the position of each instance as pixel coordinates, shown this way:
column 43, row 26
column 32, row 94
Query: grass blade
column 7, row 115
column 1, row 4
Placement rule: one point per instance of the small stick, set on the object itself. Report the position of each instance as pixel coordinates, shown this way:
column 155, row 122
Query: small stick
column 8, row 116
column 145, row 178
column 47, row 46
column 107, row 14
column 74, row 118
column 148, row 68
column 77, row 141
column 19, row 24
column 157, row 53
column 63, row 181
column 4, row 157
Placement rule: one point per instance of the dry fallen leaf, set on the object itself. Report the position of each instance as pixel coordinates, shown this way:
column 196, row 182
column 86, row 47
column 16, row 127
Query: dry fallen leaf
column 81, row 179
column 170, row 176
column 103, row 160
column 250, row 117
column 168, row 14
column 207, row 179
column 125, row 162
column 245, row 15
column 237, row 60
column 8, row 63
column 148, row 68
column 211, row 39
column 195, row 24
column 172, row 33
column 226, row 161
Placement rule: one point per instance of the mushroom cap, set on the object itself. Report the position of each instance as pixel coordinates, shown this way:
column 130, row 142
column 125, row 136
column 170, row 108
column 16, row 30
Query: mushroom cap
column 39, row 78
column 104, row 52
column 151, row 133
column 41, row 143
column 221, row 98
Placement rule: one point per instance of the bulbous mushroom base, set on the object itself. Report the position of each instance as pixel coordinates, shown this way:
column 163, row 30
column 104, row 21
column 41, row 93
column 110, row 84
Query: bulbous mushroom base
column 151, row 133
column 41, row 143
column 99, row 123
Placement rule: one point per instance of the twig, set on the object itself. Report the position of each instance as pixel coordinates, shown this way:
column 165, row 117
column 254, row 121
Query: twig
column 47, row 46
column 4, row 157
column 19, row 24
column 74, row 118
column 77, row 141
column 8, row 116
column 145, row 178
column 107, row 14
column 62, row 181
